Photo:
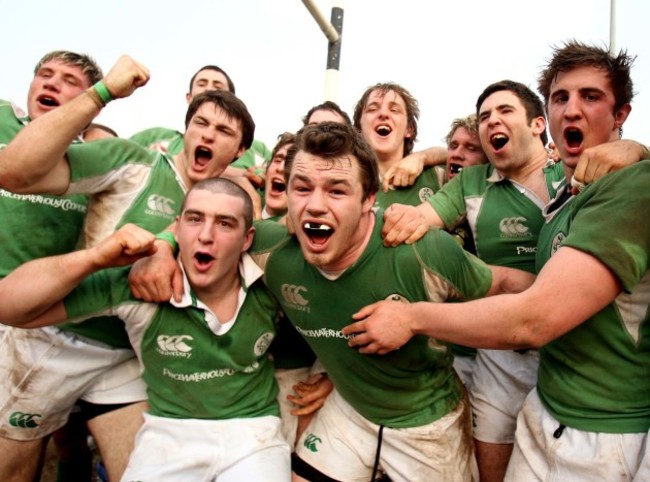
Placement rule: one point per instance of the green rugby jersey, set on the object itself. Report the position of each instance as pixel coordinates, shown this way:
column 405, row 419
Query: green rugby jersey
column 412, row 386
column 126, row 184
column 597, row 376
column 422, row 189
column 194, row 366
column 505, row 217
column 34, row 225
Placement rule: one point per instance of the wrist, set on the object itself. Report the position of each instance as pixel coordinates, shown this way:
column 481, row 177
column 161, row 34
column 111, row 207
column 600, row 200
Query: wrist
column 167, row 239
column 100, row 94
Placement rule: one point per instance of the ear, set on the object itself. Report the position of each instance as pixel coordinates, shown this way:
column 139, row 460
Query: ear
column 539, row 125
column 188, row 98
column 176, row 223
column 240, row 152
column 409, row 133
column 368, row 203
column 249, row 239
column 620, row 116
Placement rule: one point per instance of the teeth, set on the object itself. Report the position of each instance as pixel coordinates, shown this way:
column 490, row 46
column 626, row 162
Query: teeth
column 317, row 227
column 499, row 140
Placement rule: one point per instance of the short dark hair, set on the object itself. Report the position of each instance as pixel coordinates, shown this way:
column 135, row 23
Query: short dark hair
column 216, row 68
column 231, row 105
column 88, row 65
column 529, row 99
column 330, row 106
column 223, row 185
column 412, row 109
column 330, row 140
column 573, row 54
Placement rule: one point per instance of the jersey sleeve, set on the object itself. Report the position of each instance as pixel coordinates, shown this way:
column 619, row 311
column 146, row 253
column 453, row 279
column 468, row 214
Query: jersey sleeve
column 98, row 294
column 609, row 223
column 449, row 202
column 448, row 267
column 105, row 164
column 268, row 235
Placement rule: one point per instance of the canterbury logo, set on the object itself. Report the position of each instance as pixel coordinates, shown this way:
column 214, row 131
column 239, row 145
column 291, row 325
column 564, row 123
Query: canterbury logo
column 292, row 294
column 425, row 193
column 311, row 441
column 24, row 420
column 513, row 226
column 174, row 344
column 161, row 204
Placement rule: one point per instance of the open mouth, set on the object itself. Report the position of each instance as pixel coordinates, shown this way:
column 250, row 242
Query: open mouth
column 48, row 101
column 317, row 233
column 202, row 155
column 278, row 186
column 383, row 130
column 498, row 141
column 455, row 168
column 203, row 260
column 573, row 137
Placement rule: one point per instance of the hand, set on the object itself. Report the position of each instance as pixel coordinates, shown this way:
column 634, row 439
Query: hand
column 123, row 247
column 256, row 176
column 602, row 159
column 405, row 172
column 403, row 224
column 384, row 326
column 311, row 394
column 125, row 77
column 155, row 278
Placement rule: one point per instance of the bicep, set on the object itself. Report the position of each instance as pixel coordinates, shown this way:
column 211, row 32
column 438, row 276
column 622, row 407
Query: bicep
column 572, row 287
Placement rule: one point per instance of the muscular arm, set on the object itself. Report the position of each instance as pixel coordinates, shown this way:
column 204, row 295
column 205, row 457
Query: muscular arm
column 33, row 293
column 572, row 287
column 34, row 161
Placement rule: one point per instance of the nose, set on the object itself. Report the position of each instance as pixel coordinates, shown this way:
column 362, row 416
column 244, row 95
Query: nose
column 572, row 107
column 53, row 82
column 316, row 204
column 457, row 154
column 208, row 133
column 206, row 235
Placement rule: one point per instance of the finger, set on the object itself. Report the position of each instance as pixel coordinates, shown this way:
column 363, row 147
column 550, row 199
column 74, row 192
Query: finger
column 370, row 349
column 361, row 339
column 417, row 235
column 311, row 408
column 385, row 185
column 365, row 312
column 177, row 285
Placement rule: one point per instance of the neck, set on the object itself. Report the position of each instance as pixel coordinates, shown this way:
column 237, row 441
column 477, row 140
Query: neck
column 358, row 243
column 530, row 174
column 387, row 160
column 179, row 163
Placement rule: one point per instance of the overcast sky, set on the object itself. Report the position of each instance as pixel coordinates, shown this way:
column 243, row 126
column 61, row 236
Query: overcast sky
column 445, row 53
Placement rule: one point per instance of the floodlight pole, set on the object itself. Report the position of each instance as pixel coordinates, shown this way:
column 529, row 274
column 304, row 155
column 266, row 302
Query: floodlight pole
column 612, row 27
column 332, row 30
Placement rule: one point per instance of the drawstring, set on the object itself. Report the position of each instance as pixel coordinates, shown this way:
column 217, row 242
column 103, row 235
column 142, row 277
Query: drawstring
column 558, row 432
column 375, row 467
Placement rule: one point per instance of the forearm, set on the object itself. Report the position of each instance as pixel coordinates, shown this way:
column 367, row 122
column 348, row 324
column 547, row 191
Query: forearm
column 498, row 322
column 509, row 280
column 434, row 156
column 40, row 147
column 35, row 286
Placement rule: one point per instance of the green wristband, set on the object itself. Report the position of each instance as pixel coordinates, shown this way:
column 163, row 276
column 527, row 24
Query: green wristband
column 169, row 237
column 103, row 92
